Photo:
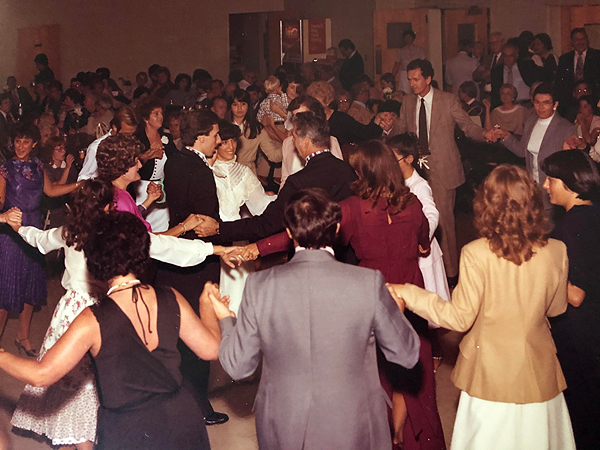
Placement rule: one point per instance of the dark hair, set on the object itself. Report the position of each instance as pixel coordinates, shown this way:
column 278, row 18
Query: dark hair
column 75, row 95
column 315, row 128
column 545, row 89
column 26, row 130
column 392, row 106
column 183, row 76
column 252, row 127
column 576, row 170
column 468, row 88
column 103, row 72
column 153, row 69
column 312, row 218
column 423, row 64
column 404, row 145
column 50, row 145
column 311, row 103
column 388, row 78
column 347, row 44
column 544, row 39
column 228, row 130
column 196, row 123
column 379, row 176
column 139, row 91
column 87, row 205
column 590, row 100
column 55, row 84
column 410, row 33
column 116, row 155
column 124, row 115
column 253, row 88
column 509, row 213
column 5, row 96
column 128, row 250
column 201, row 74
column 581, row 30
column 41, row 58
column 144, row 109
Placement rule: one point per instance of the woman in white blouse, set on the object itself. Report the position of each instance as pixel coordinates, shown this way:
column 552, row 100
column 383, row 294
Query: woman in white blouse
column 66, row 411
column 236, row 186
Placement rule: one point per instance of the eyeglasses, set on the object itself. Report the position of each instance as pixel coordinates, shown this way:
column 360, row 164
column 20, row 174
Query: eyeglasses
column 343, row 100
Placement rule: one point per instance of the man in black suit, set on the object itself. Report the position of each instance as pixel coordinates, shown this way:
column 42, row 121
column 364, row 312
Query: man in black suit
column 353, row 67
column 519, row 72
column 580, row 64
column 322, row 170
column 21, row 99
column 191, row 189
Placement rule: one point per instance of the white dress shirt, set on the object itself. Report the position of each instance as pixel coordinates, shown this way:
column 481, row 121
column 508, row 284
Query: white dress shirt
column 522, row 88
column 428, row 104
column 576, row 57
column 90, row 166
column 535, row 142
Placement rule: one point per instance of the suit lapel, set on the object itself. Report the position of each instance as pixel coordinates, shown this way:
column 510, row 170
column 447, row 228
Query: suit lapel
column 436, row 113
column 411, row 110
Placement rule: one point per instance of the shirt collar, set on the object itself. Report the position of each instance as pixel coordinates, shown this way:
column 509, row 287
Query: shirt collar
column 327, row 249
column 318, row 152
column 201, row 155
column 360, row 103
column 429, row 96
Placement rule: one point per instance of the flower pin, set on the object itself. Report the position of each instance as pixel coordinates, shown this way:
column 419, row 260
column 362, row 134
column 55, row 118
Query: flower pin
column 164, row 140
column 422, row 162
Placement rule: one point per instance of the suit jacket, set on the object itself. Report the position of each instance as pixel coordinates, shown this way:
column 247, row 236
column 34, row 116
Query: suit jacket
column 565, row 76
column 351, row 71
column 530, row 72
column 558, row 130
column 360, row 113
column 316, row 321
column 248, row 149
column 323, row 171
column 508, row 354
column 446, row 113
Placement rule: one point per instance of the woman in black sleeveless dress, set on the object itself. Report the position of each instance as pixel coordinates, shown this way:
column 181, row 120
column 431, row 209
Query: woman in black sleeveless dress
column 132, row 336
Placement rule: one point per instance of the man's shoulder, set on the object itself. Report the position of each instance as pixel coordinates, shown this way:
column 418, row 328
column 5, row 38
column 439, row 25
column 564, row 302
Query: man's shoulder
column 566, row 57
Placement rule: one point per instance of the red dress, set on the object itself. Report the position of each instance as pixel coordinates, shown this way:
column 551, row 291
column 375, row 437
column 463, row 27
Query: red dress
column 390, row 244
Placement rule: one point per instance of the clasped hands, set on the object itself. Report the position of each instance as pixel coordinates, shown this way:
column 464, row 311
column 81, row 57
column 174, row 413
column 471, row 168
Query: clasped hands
column 12, row 217
column 220, row 304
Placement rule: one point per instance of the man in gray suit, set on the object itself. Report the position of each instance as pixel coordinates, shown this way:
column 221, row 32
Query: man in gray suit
column 432, row 115
column 316, row 321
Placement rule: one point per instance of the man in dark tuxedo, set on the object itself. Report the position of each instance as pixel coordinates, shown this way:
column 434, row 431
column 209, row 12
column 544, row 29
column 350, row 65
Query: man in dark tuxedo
column 191, row 189
column 580, row 64
column 322, row 170
column 519, row 72
column 353, row 67
column 483, row 72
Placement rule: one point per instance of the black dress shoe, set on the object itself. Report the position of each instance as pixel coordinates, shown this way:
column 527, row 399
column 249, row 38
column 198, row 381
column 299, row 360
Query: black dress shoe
column 216, row 418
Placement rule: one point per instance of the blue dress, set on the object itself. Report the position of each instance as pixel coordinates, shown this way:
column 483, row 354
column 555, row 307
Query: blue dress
column 22, row 274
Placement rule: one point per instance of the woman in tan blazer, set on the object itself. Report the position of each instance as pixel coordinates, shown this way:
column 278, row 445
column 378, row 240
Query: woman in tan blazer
column 511, row 279
column 254, row 136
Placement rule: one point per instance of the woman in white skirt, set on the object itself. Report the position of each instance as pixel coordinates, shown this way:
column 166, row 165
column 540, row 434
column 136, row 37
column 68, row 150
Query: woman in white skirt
column 511, row 279
column 236, row 186
column 66, row 411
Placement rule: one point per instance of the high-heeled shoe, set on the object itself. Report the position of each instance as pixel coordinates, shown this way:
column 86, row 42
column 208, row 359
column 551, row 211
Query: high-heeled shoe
column 19, row 344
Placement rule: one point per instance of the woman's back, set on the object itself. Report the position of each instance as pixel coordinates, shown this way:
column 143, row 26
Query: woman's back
column 143, row 402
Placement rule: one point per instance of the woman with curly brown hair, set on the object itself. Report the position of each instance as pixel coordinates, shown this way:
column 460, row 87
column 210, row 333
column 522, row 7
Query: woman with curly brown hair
column 511, row 279
column 119, row 163
column 66, row 411
column 385, row 225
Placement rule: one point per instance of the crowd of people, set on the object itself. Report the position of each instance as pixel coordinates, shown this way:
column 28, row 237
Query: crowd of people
column 160, row 196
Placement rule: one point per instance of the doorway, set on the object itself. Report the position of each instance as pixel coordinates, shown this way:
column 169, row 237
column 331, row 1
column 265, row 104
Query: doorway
column 248, row 43
column 33, row 41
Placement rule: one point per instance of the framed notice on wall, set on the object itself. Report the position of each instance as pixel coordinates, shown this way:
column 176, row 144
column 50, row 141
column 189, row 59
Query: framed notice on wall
column 291, row 41
column 317, row 38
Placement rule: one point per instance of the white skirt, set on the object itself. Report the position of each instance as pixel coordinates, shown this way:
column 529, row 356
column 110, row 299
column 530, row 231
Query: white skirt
column 486, row 425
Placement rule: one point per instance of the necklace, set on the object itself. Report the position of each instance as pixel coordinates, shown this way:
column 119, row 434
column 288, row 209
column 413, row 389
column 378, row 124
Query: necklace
column 124, row 285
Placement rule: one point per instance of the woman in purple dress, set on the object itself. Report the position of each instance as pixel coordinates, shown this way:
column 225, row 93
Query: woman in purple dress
column 22, row 275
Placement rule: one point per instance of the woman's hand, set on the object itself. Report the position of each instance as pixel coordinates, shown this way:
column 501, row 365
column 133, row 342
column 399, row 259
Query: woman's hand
column 232, row 256
column 250, row 252
column 487, row 104
column 399, row 301
column 192, row 221
column 156, row 151
column 207, row 226
column 220, row 304
column 14, row 217
column 154, row 192
column 70, row 159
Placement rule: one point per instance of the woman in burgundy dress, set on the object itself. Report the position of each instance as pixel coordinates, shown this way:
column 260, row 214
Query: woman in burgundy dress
column 386, row 226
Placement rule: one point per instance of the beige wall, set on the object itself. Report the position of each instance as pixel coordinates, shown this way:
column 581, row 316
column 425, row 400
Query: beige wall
column 129, row 35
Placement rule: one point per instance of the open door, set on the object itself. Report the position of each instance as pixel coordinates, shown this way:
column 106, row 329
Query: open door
column 274, row 35
column 33, row 41
column 388, row 26
column 472, row 24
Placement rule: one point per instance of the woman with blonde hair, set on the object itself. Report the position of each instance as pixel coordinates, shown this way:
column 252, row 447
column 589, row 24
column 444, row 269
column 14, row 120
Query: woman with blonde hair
column 511, row 279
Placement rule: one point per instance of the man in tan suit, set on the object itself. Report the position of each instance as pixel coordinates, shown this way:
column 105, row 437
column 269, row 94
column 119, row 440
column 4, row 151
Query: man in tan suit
column 438, row 112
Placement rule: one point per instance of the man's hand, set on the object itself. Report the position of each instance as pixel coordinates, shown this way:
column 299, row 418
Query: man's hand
column 250, row 252
column 13, row 218
column 154, row 192
column 232, row 256
column 207, row 227
column 392, row 288
column 496, row 134
column 220, row 304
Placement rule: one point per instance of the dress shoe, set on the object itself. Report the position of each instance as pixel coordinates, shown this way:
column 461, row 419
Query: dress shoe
column 216, row 418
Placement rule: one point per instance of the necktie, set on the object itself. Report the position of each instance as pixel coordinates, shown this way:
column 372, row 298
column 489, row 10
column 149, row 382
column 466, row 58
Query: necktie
column 509, row 76
column 579, row 68
column 494, row 61
column 423, row 139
